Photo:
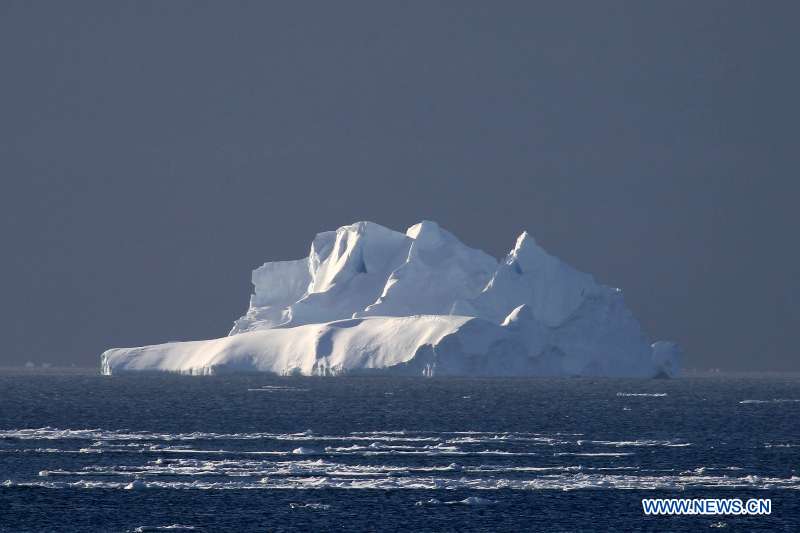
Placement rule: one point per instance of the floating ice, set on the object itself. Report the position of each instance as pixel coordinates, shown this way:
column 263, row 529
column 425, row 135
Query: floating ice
column 369, row 299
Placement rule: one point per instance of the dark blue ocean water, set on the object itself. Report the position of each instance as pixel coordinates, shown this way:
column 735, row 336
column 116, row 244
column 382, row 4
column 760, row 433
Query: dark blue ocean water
column 257, row 453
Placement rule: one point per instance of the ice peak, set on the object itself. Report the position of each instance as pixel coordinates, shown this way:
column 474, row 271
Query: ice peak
column 526, row 252
column 424, row 226
column 525, row 239
column 359, row 248
column 428, row 235
column 364, row 226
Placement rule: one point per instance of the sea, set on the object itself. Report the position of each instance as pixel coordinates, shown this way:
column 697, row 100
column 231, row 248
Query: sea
column 154, row 452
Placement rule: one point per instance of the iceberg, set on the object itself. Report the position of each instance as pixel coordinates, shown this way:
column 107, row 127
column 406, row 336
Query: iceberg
column 369, row 299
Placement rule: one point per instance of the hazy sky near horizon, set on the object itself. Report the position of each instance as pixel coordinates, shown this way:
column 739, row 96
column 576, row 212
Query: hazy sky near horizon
column 153, row 153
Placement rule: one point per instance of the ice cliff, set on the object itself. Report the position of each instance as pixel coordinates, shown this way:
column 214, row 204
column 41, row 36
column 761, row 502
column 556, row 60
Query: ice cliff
column 369, row 299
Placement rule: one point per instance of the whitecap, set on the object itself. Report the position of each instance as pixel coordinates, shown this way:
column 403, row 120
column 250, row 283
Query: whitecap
column 643, row 442
column 278, row 388
column 571, row 481
column 594, row 454
column 136, row 484
column 775, row 400
column 313, row 506
column 171, row 527
column 304, row 451
column 472, row 500
column 699, row 471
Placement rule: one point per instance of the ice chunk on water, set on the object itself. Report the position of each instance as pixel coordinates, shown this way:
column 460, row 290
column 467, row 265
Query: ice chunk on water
column 369, row 299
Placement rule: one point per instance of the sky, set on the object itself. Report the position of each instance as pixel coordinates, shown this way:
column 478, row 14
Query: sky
column 153, row 153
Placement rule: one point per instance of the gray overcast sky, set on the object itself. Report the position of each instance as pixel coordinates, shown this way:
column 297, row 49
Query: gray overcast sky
column 153, row 153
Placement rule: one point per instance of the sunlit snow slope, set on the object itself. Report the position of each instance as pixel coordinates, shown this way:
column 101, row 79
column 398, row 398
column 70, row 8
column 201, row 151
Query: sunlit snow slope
column 369, row 299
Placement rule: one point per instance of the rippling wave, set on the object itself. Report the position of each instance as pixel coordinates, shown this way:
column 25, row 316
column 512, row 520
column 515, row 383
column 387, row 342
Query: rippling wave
column 197, row 456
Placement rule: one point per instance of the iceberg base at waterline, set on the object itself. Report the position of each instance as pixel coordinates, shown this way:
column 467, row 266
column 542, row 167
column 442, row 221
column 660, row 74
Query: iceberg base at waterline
column 371, row 300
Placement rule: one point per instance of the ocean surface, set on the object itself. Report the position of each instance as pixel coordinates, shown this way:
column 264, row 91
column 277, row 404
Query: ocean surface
column 259, row 453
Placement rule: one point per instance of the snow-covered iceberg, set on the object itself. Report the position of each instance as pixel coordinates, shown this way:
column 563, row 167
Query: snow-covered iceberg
column 369, row 299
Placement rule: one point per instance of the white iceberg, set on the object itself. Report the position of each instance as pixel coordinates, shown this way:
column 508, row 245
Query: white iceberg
column 369, row 299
